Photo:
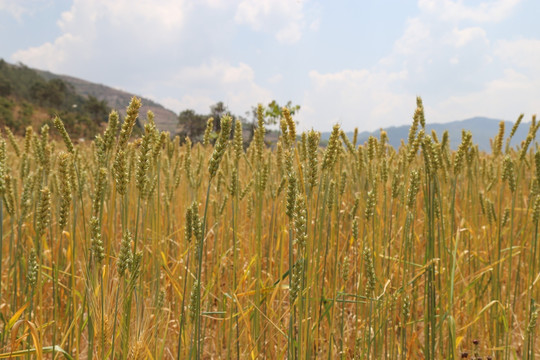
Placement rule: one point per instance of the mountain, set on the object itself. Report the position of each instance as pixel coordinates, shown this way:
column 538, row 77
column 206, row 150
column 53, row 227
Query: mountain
column 33, row 97
column 166, row 120
column 28, row 99
column 483, row 129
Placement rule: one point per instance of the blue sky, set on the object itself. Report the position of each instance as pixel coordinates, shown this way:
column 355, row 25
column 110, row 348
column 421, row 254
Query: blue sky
column 359, row 63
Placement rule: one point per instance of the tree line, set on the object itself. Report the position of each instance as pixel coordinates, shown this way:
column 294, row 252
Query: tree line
column 193, row 124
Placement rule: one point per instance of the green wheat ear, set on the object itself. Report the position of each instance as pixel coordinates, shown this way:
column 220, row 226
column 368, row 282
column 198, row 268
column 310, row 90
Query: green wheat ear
column 313, row 158
column 98, row 251
column 129, row 122
column 208, row 131
column 220, row 146
column 59, row 125
column 12, row 141
column 120, row 172
column 2, row 167
column 44, row 213
column 125, row 257
column 33, row 268
column 370, row 272
column 414, row 187
column 290, row 124
column 143, row 162
column 65, row 188
column 330, row 155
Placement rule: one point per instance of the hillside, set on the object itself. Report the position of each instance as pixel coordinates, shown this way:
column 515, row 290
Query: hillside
column 482, row 128
column 166, row 120
column 28, row 99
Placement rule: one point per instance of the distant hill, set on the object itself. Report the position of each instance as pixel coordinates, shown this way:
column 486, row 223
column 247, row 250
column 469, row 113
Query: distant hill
column 28, row 99
column 166, row 120
column 482, row 128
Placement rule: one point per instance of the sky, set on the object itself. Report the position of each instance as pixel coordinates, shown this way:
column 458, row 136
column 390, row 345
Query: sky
column 358, row 63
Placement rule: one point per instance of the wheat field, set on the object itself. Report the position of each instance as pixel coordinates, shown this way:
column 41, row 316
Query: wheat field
column 157, row 248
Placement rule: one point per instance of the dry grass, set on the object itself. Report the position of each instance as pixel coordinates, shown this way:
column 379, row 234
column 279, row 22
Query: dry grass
column 352, row 251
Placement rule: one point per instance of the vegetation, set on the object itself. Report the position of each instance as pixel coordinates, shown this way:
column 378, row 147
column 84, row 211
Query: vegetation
column 194, row 125
column 139, row 249
column 26, row 98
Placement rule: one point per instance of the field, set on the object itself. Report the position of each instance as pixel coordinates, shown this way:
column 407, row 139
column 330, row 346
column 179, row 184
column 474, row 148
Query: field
column 156, row 248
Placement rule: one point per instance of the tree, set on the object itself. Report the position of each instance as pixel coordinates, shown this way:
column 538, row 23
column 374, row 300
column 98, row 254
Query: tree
column 5, row 86
column 6, row 112
column 191, row 124
column 98, row 110
column 217, row 111
column 273, row 112
column 57, row 90
column 52, row 93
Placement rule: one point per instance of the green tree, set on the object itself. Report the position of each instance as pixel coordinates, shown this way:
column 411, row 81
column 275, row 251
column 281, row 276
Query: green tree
column 217, row 111
column 191, row 124
column 5, row 86
column 98, row 110
column 50, row 93
column 272, row 114
column 273, row 111
column 57, row 90
column 6, row 112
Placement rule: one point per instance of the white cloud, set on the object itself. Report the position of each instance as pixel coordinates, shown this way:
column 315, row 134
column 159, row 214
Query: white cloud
column 458, row 10
column 19, row 8
column 290, row 33
column 504, row 97
column 146, row 45
column 455, row 68
column 315, row 24
column 142, row 18
column 462, row 37
column 284, row 18
column 108, row 34
column 200, row 104
column 524, row 53
column 198, row 87
column 416, row 36
column 53, row 56
column 149, row 15
column 184, row 53
column 275, row 79
column 357, row 98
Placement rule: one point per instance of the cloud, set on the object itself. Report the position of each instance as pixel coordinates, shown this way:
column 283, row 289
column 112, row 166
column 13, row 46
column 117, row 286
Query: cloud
column 455, row 67
column 283, row 18
column 198, row 87
column 192, row 53
column 462, row 37
column 200, row 104
column 109, row 35
column 416, row 36
column 441, row 58
column 52, row 56
column 135, row 21
column 19, row 8
column 149, row 47
column 357, row 98
column 457, row 10
column 162, row 15
column 502, row 98
column 522, row 53
column 275, row 79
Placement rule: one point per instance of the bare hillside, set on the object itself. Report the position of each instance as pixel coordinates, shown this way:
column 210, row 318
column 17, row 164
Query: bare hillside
column 166, row 120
